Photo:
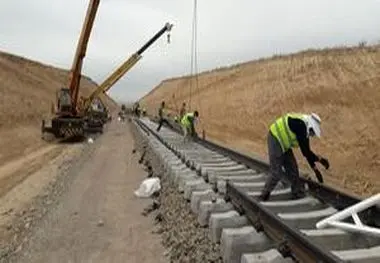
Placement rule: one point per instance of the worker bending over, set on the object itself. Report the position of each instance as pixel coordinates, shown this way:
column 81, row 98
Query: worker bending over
column 161, row 117
column 188, row 124
column 289, row 131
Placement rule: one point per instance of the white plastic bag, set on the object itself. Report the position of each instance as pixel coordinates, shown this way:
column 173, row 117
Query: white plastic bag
column 148, row 187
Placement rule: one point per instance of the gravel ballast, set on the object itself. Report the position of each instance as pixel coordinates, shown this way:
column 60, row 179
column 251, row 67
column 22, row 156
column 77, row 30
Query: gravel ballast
column 34, row 214
column 182, row 236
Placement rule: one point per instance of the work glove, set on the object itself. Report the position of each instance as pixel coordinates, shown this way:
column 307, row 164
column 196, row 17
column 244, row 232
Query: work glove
column 318, row 175
column 324, row 162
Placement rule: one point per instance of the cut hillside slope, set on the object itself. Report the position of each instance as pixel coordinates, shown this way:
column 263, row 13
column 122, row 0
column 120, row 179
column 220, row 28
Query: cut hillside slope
column 237, row 104
column 27, row 91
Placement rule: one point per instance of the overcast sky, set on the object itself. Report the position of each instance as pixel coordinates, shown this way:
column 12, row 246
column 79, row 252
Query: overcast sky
column 229, row 31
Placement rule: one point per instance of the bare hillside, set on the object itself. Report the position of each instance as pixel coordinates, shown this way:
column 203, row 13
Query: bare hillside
column 237, row 104
column 27, row 91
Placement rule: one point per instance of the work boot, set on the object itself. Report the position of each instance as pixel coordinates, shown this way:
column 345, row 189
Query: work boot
column 298, row 195
column 298, row 191
column 264, row 196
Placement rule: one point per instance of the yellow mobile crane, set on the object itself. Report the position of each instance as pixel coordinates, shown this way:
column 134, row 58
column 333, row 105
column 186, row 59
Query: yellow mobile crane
column 95, row 120
column 67, row 121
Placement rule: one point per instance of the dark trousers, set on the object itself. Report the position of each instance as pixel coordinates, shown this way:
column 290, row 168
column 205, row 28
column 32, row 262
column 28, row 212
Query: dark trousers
column 278, row 160
column 162, row 121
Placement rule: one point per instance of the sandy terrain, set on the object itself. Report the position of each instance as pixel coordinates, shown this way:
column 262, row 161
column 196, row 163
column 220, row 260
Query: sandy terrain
column 27, row 91
column 28, row 164
column 238, row 103
column 26, row 191
column 97, row 218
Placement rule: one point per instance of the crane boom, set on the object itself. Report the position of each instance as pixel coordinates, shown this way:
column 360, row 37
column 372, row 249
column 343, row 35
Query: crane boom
column 67, row 122
column 76, row 69
column 124, row 68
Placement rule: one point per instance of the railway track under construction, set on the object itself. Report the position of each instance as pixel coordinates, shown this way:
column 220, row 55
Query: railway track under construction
column 223, row 185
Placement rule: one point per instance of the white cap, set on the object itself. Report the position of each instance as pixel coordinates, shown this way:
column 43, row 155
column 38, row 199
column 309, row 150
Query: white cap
column 314, row 122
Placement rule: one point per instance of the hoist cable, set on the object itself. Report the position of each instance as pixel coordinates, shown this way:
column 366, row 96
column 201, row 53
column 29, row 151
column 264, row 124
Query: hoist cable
column 196, row 45
column 194, row 65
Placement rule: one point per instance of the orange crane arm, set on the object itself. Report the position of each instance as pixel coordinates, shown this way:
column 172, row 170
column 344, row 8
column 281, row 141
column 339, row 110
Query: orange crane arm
column 76, row 69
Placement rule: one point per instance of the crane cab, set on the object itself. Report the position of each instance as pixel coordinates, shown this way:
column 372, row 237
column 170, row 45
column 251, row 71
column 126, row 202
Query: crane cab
column 64, row 104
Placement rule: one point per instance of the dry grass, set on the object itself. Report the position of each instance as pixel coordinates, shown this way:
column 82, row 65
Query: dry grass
column 238, row 103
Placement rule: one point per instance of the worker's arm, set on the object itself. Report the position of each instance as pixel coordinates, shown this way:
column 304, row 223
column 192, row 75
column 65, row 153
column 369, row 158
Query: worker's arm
column 299, row 128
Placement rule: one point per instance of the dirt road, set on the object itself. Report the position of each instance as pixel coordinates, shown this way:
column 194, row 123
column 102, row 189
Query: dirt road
column 98, row 219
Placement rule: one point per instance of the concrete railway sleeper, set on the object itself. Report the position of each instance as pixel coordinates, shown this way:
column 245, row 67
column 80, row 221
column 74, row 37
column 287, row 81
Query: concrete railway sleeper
column 222, row 193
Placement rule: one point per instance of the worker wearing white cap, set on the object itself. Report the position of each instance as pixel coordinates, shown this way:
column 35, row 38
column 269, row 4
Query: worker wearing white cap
column 287, row 132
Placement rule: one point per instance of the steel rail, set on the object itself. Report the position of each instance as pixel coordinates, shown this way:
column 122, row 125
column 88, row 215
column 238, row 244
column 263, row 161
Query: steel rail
column 290, row 242
column 324, row 193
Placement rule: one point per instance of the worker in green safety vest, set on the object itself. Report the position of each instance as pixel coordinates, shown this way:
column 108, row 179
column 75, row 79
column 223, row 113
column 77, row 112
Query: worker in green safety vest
column 290, row 131
column 182, row 111
column 188, row 124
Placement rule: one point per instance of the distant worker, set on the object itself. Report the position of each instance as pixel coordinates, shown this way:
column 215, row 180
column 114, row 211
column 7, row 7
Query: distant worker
column 137, row 110
column 144, row 112
column 287, row 132
column 161, row 117
column 188, row 124
column 182, row 111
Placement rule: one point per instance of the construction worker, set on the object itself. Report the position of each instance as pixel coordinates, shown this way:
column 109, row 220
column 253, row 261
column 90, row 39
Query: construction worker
column 289, row 131
column 188, row 123
column 137, row 109
column 182, row 111
column 161, row 117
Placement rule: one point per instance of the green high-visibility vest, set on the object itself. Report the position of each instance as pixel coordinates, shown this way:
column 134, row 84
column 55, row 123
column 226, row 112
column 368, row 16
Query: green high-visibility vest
column 281, row 131
column 185, row 119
